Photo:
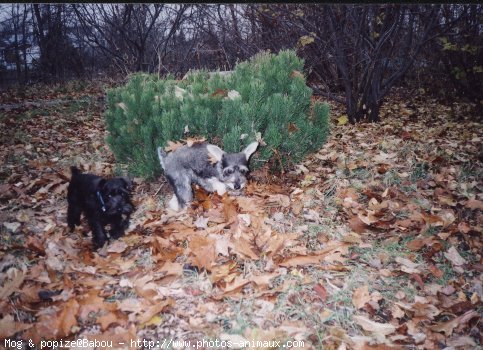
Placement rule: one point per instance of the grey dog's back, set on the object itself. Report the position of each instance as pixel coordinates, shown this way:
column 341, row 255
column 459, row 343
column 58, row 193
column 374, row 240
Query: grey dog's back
column 190, row 158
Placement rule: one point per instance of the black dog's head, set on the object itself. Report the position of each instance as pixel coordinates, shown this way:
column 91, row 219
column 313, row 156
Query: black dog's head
column 114, row 196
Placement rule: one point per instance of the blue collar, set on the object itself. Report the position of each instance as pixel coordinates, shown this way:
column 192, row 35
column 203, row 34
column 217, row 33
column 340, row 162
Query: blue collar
column 103, row 205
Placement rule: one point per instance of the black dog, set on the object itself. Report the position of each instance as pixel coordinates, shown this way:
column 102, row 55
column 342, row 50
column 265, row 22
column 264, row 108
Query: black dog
column 103, row 201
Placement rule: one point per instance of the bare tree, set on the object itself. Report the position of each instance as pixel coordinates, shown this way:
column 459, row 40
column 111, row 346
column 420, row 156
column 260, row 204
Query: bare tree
column 132, row 35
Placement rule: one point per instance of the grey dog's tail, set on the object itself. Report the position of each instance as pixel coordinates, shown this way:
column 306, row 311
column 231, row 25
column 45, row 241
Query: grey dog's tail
column 161, row 155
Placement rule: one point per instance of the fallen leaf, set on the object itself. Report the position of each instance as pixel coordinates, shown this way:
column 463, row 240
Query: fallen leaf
column 16, row 278
column 201, row 222
column 474, row 204
column 321, row 291
column 342, row 120
column 173, row 146
column 8, row 327
column 453, row 256
column 448, row 327
column 374, row 327
column 361, row 296
column 151, row 311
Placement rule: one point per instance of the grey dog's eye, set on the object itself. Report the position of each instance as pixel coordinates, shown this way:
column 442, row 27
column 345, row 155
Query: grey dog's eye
column 229, row 171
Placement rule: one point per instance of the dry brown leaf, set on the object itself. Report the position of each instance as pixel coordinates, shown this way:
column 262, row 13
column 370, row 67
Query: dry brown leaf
column 191, row 141
column 15, row 280
column 202, row 251
column 116, row 335
column 321, row 291
column 90, row 302
column 68, row 317
column 230, row 208
column 148, row 313
column 374, row 327
column 110, row 318
column 236, row 286
column 173, row 146
column 367, row 219
column 357, row 225
column 361, row 296
column 263, row 280
column 172, row 268
column 118, row 246
column 449, row 326
column 474, row 204
column 453, row 256
column 435, row 271
column 8, row 327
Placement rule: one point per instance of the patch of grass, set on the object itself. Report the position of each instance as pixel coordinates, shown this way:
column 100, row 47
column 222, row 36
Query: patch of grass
column 432, row 231
column 469, row 171
column 243, row 314
column 448, row 274
column 406, row 150
column 420, row 171
column 32, row 113
column 121, row 294
column 77, row 106
column 310, row 237
column 389, row 286
column 403, row 214
column 391, row 178
column 144, row 259
column 392, row 250
column 409, row 189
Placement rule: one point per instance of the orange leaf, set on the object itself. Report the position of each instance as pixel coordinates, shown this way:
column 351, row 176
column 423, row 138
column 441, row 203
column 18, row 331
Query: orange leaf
column 190, row 141
column 203, row 252
column 151, row 311
column 435, row 271
column 220, row 92
column 67, row 317
column 292, row 128
column 8, row 327
column 357, row 225
column 230, row 208
column 173, row 146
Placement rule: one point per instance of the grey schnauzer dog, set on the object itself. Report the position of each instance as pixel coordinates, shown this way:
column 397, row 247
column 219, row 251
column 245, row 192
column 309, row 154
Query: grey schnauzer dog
column 206, row 165
column 103, row 202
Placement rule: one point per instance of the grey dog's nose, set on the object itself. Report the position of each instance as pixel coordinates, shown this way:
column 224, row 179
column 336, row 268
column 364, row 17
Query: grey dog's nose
column 237, row 186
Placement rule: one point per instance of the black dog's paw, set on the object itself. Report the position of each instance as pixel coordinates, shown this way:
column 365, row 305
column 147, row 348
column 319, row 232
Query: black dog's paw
column 98, row 243
column 115, row 234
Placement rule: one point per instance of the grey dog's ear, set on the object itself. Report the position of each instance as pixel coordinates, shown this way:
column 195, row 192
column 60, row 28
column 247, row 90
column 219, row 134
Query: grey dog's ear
column 215, row 151
column 250, row 149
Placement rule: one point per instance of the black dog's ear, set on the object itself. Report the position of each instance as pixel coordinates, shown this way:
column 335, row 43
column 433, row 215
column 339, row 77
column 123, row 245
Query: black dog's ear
column 74, row 170
column 127, row 183
column 101, row 184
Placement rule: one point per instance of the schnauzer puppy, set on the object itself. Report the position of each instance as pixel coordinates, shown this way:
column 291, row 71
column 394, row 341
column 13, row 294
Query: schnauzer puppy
column 206, row 165
column 103, row 201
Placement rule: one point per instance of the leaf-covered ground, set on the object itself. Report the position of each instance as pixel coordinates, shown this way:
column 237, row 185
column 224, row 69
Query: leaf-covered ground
column 374, row 242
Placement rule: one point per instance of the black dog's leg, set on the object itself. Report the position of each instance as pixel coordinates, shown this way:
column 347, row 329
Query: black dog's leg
column 118, row 226
column 73, row 210
column 99, row 237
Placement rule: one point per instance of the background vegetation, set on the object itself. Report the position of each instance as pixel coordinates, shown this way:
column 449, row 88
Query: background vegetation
column 354, row 53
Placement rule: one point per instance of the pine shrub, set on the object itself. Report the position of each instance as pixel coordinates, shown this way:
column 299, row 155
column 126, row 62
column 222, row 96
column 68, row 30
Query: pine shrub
column 265, row 97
